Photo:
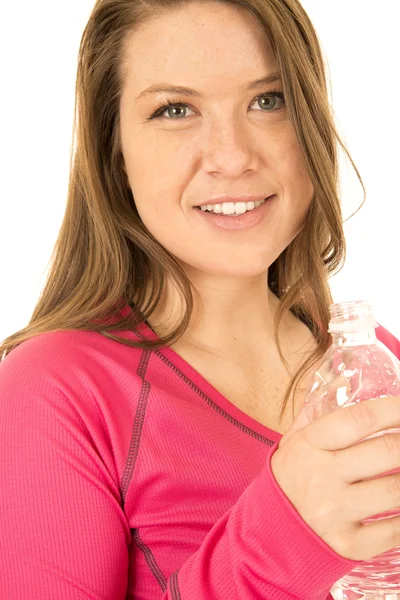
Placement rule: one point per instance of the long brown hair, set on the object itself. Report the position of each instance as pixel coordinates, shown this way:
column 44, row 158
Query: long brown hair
column 105, row 257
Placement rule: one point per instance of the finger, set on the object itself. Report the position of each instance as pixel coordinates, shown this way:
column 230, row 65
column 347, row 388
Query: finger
column 351, row 424
column 367, row 499
column 369, row 458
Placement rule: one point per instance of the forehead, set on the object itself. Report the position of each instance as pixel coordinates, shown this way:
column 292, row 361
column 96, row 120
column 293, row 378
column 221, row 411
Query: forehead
column 198, row 43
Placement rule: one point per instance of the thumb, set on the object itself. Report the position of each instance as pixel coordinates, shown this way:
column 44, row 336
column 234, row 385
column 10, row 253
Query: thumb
column 306, row 414
column 301, row 420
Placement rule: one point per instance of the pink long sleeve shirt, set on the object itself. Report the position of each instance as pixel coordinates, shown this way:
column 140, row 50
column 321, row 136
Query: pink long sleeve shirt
column 124, row 474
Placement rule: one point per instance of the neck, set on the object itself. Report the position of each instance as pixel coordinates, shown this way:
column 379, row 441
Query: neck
column 230, row 317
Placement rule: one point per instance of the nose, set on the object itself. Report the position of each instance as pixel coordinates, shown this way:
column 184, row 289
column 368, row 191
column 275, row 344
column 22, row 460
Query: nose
column 229, row 149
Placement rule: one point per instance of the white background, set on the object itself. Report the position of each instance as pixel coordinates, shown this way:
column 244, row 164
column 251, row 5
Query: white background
column 39, row 46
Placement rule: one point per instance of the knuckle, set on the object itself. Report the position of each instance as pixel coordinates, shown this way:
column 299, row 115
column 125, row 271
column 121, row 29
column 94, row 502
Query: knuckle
column 396, row 537
column 363, row 415
column 394, row 486
column 345, row 545
column 392, row 445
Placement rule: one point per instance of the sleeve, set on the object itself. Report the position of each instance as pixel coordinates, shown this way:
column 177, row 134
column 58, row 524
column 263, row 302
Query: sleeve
column 64, row 534
column 261, row 549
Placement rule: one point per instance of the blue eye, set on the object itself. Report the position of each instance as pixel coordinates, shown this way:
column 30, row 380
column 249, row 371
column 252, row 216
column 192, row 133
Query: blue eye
column 273, row 99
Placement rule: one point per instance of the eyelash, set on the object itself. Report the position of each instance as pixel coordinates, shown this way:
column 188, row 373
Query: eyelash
column 157, row 114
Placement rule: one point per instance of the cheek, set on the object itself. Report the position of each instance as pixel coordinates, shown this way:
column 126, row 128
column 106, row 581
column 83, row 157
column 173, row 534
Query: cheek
column 158, row 169
column 156, row 195
column 292, row 172
column 149, row 184
column 300, row 168
column 159, row 183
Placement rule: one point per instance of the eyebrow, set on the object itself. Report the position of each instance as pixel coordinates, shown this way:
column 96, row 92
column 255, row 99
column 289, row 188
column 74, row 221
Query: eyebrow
column 174, row 89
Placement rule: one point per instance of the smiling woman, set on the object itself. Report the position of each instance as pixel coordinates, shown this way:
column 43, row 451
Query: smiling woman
column 186, row 305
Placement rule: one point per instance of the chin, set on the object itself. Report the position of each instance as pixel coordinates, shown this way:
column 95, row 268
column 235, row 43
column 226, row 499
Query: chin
column 235, row 265
column 242, row 271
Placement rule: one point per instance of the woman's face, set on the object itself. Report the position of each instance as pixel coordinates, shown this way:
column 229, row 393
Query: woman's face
column 222, row 142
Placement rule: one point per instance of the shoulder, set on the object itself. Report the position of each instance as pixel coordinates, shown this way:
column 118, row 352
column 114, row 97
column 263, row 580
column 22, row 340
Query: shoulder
column 52, row 347
column 77, row 384
column 83, row 366
column 66, row 350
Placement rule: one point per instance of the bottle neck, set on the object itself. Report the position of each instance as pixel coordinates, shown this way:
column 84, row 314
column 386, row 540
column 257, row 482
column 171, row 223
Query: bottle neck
column 354, row 338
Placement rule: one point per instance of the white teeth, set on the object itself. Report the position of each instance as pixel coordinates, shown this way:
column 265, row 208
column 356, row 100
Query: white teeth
column 228, row 208
column 231, row 208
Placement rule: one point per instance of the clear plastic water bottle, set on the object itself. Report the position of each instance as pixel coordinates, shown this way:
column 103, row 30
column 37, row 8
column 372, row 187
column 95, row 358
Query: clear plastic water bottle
column 358, row 367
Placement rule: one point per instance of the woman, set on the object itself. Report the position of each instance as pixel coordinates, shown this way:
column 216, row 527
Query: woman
column 142, row 409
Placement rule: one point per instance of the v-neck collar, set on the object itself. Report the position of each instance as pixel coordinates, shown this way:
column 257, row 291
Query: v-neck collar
column 211, row 392
column 203, row 385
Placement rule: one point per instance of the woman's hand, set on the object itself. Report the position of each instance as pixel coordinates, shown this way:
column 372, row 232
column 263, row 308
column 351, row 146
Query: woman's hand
column 323, row 476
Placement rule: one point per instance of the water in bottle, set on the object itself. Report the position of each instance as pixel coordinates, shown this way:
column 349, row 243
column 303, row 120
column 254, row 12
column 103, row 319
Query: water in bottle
column 358, row 367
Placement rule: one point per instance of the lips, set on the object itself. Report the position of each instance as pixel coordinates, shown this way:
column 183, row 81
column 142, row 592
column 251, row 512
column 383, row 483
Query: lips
column 238, row 222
